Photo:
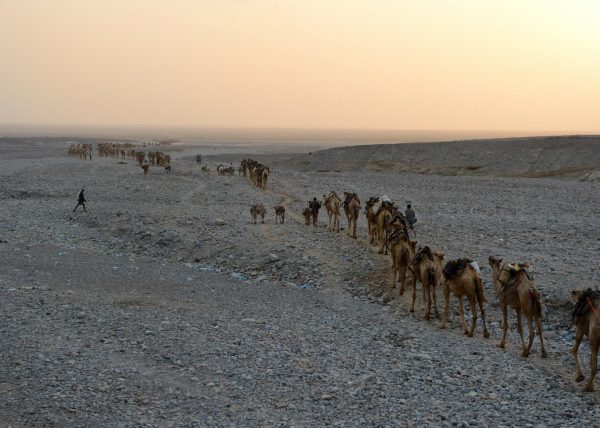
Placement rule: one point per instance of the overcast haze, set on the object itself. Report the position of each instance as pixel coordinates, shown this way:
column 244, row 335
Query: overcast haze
column 501, row 65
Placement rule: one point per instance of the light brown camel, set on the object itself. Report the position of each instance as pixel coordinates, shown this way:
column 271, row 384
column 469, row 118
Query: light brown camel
column 279, row 213
column 586, row 317
column 371, row 219
column 402, row 250
column 516, row 289
column 332, row 204
column 256, row 210
column 352, row 210
column 306, row 214
column 382, row 218
column 461, row 278
column 426, row 267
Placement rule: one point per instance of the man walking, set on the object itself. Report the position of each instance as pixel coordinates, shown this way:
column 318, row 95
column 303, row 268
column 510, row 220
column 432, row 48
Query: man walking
column 81, row 200
column 314, row 206
column 410, row 216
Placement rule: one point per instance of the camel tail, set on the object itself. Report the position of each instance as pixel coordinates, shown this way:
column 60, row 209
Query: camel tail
column 534, row 295
column 431, row 276
column 480, row 295
column 537, row 307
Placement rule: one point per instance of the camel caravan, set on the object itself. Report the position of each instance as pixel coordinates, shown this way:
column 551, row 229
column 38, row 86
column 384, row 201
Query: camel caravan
column 514, row 285
column 389, row 231
column 81, row 151
column 255, row 171
column 126, row 151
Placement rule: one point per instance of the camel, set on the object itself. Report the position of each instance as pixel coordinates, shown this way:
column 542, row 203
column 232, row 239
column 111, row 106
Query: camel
column 462, row 279
column 256, row 210
column 198, row 158
column 306, row 214
column 257, row 172
column 402, row 250
column 426, row 267
column 371, row 219
column 140, row 156
column 145, row 167
column 225, row 170
column 205, row 169
column 516, row 289
column 264, row 175
column 168, row 169
column 352, row 210
column 279, row 213
column 382, row 218
column 332, row 204
column 586, row 317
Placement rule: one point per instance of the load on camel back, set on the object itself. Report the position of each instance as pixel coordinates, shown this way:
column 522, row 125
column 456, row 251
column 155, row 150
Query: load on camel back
column 455, row 267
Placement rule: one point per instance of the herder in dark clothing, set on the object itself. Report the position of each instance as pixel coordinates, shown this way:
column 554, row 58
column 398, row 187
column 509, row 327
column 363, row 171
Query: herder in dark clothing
column 81, row 201
column 314, row 206
column 410, row 216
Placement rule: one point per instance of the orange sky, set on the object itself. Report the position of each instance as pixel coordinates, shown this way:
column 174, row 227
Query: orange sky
column 422, row 64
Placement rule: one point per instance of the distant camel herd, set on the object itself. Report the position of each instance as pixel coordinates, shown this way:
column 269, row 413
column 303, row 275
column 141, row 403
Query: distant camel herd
column 389, row 230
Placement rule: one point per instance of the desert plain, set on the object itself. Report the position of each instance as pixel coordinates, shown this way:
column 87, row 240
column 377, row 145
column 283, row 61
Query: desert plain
column 164, row 305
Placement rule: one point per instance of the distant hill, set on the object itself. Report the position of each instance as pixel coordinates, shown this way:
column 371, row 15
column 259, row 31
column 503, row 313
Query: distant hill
column 574, row 157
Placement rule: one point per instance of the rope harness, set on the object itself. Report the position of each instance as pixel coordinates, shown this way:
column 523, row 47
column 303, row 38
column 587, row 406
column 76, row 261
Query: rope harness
column 533, row 293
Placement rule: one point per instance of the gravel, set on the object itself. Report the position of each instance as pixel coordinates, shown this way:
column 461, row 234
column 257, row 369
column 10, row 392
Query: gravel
column 164, row 306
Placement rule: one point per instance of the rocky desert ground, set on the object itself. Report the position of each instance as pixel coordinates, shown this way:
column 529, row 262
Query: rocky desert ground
column 163, row 305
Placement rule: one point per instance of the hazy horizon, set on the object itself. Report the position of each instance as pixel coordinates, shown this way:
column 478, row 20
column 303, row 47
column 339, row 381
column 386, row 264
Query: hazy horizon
column 245, row 136
column 498, row 66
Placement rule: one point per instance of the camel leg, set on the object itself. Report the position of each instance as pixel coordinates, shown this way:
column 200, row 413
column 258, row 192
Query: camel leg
column 394, row 270
column 594, row 343
column 461, row 307
column 385, row 242
column 531, row 332
column 473, row 315
column 486, row 333
column 414, row 294
column 578, row 337
column 525, row 353
column 504, row 325
column 426, row 299
column 402, row 278
column 538, row 320
column 446, row 306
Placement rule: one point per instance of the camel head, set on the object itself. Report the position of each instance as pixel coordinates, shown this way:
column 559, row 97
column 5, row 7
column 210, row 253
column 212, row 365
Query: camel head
column 576, row 295
column 495, row 263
